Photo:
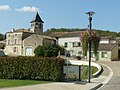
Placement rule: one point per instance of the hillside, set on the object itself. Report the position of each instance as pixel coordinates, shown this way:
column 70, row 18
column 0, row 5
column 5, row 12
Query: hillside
column 102, row 33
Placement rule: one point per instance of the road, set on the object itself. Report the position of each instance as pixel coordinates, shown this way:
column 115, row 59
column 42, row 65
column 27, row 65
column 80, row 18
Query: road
column 114, row 83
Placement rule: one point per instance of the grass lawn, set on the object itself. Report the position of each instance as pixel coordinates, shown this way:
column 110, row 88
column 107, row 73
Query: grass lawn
column 84, row 72
column 15, row 83
column 73, row 75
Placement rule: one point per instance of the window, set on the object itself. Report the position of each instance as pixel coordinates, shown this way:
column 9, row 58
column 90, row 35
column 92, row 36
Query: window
column 104, row 55
column 76, row 44
column 80, row 52
column 32, row 25
column 65, row 44
column 8, row 42
column 79, row 44
column 15, row 49
column 15, row 35
column 8, row 35
column 15, row 41
column 40, row 26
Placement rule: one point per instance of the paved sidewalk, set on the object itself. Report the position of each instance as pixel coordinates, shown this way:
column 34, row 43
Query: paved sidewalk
column 61, row 86
column 114, row 83
column 83, row 85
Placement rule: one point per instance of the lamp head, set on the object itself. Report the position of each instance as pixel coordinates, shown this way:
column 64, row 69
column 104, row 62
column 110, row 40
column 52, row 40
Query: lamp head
column 90, row 13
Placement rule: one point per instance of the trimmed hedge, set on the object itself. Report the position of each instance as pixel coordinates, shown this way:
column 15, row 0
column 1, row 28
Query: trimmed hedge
column 32, row 68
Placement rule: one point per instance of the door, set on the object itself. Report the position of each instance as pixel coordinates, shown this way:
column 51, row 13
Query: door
column 28, row 51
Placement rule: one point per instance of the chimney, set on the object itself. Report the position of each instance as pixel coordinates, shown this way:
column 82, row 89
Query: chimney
column 13, row 30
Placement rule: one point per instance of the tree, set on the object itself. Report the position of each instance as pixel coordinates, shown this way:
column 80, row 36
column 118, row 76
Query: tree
column 102, row 33
column 84, row 40
column 1, row 37
column 48, row 51
column 92, row 36
column 95, row 42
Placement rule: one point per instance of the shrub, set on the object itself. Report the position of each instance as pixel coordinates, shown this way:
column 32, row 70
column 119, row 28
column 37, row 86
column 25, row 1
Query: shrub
column 32, row 68
column 48, row 51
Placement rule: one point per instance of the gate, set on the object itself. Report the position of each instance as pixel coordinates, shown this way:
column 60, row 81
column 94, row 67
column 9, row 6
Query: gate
column 74, row 73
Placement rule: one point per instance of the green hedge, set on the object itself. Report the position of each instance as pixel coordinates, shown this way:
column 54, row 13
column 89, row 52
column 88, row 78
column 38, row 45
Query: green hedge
column 32, row 68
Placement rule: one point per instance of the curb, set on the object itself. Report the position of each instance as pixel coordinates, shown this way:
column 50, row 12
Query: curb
column 99, row 72
column 105, row 81
column 96, row 87
column 109, row 76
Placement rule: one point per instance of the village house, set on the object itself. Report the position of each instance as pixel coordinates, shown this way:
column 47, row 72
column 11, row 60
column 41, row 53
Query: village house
column 107, row 51
column 22, row 42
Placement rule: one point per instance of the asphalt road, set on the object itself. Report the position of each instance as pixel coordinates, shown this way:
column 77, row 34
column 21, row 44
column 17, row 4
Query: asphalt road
column 114, row 83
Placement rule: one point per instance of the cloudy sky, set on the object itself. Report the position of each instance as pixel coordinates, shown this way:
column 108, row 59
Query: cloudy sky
column 60, row 14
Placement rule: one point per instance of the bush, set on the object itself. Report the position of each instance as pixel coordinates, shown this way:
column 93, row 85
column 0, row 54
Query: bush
column 32, row 68
column 48, row 51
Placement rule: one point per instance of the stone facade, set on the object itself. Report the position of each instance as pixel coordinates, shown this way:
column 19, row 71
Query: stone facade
column 31, row 42
column 14, row 41
column 22, row 42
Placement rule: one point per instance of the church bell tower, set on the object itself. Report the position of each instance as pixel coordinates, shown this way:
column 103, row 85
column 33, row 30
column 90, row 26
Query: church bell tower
column 37, row 25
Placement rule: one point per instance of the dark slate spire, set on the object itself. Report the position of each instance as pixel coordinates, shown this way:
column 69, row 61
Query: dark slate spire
column 37, row 19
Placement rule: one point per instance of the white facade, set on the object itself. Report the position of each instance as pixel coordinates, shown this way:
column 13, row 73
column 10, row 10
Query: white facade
column 107, row 41
column 104, row 41
column 107, row 51
column 72, row 44
column 102, row 56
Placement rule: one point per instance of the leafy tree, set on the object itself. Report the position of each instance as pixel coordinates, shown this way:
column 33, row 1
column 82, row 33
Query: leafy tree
column 90, row 36
column 49, row 31
column 102, row 33
column 118, row 34
column 84, row 40
column 39, row 51
column 1, row 37
column 48, row 51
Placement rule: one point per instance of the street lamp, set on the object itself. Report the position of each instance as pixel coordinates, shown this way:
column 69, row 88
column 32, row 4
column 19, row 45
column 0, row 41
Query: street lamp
column 90, row 27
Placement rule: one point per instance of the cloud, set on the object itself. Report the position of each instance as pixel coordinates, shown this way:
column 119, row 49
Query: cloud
column 28, row 9
column 4, row 7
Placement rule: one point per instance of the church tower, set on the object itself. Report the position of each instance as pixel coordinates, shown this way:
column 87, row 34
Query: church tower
column 37, row 25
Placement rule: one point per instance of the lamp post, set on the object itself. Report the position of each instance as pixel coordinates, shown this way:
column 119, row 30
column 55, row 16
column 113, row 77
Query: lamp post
column 90, row 27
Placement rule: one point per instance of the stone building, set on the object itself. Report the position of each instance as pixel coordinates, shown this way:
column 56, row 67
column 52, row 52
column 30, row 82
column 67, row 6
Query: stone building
column 22, row 42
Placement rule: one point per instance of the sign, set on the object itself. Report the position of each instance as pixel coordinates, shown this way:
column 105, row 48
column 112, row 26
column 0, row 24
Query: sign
column 71, row 73
column 70, row 69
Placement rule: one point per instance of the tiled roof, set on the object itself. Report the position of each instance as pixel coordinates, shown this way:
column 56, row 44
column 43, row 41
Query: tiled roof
column 107, row 47
column 20, row 30
column 108, row 37
column 41, row 36
column 37, row 19
column 66, row 34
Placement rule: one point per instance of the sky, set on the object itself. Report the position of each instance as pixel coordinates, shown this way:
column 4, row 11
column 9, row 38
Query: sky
column 60, row 14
